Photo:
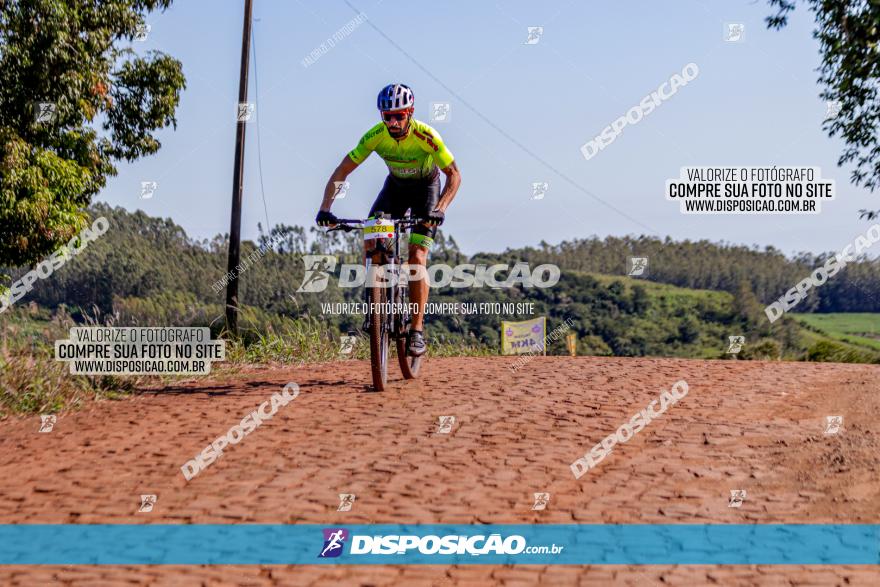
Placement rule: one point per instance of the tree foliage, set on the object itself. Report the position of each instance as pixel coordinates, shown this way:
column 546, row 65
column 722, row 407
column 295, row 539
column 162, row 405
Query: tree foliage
column 106, row 103
column 848, row 32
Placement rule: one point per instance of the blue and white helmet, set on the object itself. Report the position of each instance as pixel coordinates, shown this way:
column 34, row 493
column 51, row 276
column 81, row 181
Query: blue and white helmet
column 395, row 97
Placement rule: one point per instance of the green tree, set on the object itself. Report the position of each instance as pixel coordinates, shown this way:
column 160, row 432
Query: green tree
column 848, row 32
column 748, row 309
column 72, row 55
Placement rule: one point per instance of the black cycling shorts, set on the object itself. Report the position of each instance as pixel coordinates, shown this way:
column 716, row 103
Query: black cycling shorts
column 420, row 196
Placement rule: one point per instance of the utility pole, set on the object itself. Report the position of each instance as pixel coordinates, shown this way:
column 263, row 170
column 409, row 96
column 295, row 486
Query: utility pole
column 237, row 179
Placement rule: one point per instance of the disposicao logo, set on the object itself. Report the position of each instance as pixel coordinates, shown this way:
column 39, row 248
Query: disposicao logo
column 318, row 269
column 334, row 540
column 432, row 544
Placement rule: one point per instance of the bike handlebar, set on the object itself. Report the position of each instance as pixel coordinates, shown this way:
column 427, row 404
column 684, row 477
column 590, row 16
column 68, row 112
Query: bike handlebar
column 395, row 220
column 345, row 223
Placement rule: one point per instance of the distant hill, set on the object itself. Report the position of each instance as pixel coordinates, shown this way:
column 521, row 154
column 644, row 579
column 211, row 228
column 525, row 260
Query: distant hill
column 717, row 266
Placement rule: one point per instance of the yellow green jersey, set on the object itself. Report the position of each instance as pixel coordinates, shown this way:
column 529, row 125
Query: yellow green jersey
column 414, row 156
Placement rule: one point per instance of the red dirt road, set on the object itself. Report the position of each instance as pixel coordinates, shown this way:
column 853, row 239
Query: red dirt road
column 756, row 426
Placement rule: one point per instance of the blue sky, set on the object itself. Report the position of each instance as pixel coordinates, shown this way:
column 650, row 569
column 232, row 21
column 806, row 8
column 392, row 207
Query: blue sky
column 754, row 103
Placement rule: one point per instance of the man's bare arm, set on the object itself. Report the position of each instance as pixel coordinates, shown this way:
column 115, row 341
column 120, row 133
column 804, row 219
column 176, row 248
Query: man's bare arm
column 342, row 171
column 453, row 180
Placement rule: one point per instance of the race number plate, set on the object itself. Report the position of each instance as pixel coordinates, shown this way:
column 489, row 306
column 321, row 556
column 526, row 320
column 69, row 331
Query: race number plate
column 378, row 228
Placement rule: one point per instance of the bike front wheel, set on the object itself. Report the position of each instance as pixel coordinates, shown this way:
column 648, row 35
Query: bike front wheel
column 379, row 335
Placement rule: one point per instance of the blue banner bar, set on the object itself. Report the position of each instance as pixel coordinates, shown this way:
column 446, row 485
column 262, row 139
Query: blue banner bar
column 542, row 544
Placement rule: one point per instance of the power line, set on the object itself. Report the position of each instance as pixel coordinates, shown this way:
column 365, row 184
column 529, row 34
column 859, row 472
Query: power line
column 501, row 131
column 259, row 144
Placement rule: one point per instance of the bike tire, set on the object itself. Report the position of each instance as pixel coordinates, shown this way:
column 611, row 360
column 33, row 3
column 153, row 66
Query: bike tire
column 409, row 366
column 378, row 340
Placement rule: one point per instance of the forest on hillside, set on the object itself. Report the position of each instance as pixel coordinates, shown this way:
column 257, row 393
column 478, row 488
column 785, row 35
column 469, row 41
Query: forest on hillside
column 143, row 256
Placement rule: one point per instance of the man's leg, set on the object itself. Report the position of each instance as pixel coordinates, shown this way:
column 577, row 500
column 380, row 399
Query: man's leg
column 421, row 239
column 418, row 286
column 419, row 245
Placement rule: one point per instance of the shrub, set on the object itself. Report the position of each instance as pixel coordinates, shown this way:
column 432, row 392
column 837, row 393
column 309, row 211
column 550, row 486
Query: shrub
column 764, row 349
column 830, row 351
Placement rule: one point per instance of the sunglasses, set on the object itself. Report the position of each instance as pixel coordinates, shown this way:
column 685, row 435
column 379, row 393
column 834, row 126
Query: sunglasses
column 389, row 116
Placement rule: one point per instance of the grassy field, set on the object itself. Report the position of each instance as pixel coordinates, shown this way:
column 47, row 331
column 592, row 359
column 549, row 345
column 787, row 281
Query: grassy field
column 858, row 329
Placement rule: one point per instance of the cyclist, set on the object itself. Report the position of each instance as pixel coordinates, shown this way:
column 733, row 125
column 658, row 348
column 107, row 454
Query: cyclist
column 415, row 155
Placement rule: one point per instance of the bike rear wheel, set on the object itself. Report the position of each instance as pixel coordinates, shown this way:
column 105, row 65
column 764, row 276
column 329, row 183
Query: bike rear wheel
column 409, row 366
column 379, row 335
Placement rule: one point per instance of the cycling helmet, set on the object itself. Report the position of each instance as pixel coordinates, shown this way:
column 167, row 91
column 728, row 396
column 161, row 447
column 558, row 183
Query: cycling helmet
column 395, row 97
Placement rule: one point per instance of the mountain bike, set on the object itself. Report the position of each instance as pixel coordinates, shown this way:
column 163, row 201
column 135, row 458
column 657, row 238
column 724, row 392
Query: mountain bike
column 386, row 293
